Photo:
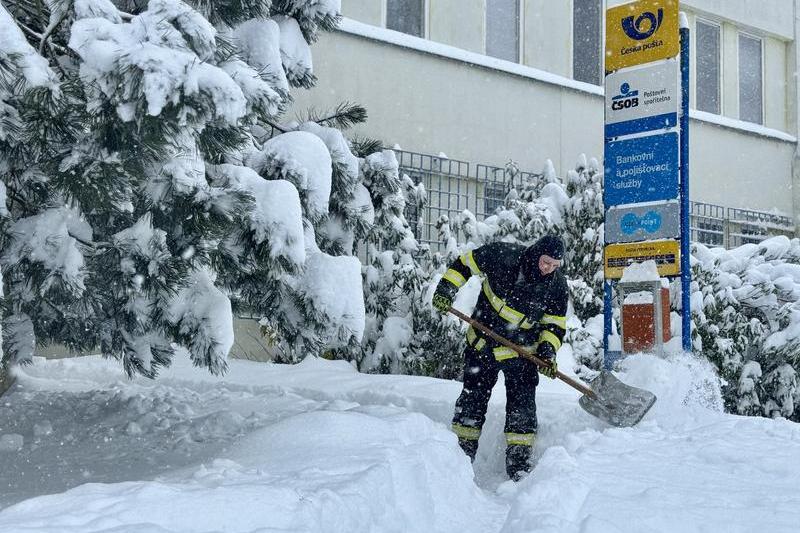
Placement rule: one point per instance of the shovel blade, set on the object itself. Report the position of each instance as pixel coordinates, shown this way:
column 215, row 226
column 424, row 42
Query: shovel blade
column 617, row 403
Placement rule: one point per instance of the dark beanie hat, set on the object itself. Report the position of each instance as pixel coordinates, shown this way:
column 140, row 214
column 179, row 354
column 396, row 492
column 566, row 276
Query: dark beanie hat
column 552, row 246
column 547, row 245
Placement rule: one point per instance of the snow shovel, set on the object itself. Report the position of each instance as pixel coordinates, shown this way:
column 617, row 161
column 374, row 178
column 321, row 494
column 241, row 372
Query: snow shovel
column 608, row 399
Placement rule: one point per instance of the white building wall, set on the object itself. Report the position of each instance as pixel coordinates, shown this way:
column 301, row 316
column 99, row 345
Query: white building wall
column 547, row 36
column 737, row 170
column 428, row 103
column 458, row 23
column 767, row 16
column 367, row 11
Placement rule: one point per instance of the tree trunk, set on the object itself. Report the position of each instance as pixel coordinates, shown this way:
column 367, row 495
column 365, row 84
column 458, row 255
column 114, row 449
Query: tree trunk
column 6, row 379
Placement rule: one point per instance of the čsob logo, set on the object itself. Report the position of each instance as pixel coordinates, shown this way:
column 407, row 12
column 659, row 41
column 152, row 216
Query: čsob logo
column 625, row 99
column 635, row 31
column 650, row 222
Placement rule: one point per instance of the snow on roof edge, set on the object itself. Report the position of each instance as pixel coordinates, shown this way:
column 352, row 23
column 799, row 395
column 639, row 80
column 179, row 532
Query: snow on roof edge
column 361, row 29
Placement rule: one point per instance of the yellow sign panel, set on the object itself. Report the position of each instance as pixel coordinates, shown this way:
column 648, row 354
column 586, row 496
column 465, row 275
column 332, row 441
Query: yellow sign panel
column 665, row 253
column 641, row 32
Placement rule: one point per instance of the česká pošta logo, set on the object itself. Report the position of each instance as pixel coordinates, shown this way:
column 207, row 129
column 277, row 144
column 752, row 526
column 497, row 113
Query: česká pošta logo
column 640, row 28
column 636, row 29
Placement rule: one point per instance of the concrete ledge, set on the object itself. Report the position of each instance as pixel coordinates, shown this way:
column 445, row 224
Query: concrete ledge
column 741, row 126
column 248, row 343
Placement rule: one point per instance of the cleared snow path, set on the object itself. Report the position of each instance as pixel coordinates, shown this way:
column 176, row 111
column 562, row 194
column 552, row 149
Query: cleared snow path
column 319, row 447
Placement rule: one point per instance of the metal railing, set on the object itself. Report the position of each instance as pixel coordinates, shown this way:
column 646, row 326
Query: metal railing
column 453, row 186
column 707, row 224
column 715, row 225
column 447, row 184
column 745, row 225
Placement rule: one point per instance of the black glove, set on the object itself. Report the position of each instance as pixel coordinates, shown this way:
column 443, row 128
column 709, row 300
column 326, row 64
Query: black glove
column 443, row 297
column 547, row 353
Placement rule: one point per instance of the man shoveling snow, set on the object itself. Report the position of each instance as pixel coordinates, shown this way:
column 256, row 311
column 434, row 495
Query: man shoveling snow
column 524, row 297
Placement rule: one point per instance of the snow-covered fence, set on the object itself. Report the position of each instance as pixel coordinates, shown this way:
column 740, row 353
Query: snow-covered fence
column 453, row 185
column 747, row 226
column 707, row 222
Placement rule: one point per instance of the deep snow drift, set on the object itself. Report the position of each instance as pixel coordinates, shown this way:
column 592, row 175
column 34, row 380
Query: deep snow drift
column 320, row 447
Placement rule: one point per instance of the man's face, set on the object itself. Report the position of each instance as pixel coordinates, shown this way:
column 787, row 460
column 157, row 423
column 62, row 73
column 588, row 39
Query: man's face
column 547, row 264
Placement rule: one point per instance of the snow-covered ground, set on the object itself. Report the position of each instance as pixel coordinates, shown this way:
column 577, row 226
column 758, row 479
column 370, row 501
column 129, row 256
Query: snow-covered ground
column 319, row 447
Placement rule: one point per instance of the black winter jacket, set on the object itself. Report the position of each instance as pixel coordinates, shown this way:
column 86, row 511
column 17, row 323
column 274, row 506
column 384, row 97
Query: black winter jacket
column 516, row 301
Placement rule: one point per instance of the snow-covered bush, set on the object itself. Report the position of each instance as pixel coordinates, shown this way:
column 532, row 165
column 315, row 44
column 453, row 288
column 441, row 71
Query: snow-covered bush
column 746, row 315
column 149, row 189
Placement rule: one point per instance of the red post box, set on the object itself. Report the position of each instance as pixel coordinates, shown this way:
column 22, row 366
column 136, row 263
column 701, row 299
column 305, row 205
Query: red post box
column 639, row 320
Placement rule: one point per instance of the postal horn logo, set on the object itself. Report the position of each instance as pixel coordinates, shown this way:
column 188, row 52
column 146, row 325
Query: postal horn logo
column 644, row 26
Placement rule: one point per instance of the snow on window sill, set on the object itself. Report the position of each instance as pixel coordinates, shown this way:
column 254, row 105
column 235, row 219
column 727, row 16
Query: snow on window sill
column 741, row 125
column 424, row 45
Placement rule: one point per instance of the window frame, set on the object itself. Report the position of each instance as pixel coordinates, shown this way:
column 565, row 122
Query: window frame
column 520, row 30
column 601, row 45
column 760, row 40
column 720, row 60
column 490, row 190
column 425, row 18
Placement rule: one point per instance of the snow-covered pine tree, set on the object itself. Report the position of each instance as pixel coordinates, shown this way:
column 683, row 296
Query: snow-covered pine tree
column 392, row 276
column 729, row 334
column 438, row 342
column 582, row 231
column 3, row 216
column 5, row 377
column 123, row 138
column 351, row 214
column 583, row 236
column 404, row 334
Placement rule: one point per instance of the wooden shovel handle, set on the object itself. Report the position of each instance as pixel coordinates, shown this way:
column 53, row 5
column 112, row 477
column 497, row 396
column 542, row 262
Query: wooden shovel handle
column 580, row 387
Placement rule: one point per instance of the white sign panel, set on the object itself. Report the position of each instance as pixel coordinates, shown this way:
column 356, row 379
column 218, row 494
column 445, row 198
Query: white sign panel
column 642, row 99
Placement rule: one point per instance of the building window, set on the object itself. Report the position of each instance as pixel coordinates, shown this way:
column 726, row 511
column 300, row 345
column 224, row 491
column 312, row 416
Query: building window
column 707, row 68
column 751, row 97
column 502, row 29
column 587, row 58
column 406, row 16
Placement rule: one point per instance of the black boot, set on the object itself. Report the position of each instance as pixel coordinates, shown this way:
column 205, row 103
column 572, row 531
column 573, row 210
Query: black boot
column 518, row 461
column 470, row 447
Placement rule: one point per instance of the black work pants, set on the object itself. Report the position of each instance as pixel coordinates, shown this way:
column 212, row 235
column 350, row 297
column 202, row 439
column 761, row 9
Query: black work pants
column 480, row 375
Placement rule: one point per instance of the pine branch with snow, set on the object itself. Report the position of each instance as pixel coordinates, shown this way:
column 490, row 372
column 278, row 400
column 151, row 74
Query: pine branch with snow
column 129, row 218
